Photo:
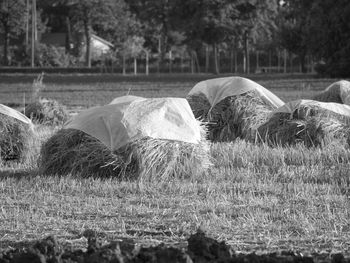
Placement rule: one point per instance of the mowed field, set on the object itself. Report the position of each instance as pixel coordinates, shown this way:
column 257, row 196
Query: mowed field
column 254, row 197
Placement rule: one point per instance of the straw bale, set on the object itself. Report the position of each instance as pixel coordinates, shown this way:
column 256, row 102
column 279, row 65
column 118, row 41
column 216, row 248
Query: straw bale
column 71, row 151
column 233, row 117
column 48, row 112
column 16, row 139
column 309, row 125
column 331, row 94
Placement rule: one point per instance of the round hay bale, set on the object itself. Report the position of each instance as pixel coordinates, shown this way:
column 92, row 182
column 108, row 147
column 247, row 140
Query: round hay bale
column 141, row 138
column 338, row 92
column 331, row 94
column 47, row 112
column 310, row 125
column 72, row 151
column 233, row 117
column 16, row 139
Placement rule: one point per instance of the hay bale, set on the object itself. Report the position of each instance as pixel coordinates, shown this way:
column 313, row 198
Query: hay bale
column 48, row 112
column 338, row 92
column 16, row 139
column 72, row 151
column 310, row 125
column 234, row 117
column 331, row 94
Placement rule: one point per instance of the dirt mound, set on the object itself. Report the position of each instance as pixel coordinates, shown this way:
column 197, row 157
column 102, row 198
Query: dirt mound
column 200, row 249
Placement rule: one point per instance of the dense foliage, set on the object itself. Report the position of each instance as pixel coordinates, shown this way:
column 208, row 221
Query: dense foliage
column 313, row 31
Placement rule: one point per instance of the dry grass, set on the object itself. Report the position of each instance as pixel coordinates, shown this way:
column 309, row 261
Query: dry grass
column 309, row 125
column 256, row 198
column 233, row 117
column 72, row 151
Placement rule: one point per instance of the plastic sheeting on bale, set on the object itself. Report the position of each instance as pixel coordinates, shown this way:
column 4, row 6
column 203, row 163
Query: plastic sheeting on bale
column 125, row 99
column 15, row 114
column 292, row 106
column 219, row 88
column 116, row 125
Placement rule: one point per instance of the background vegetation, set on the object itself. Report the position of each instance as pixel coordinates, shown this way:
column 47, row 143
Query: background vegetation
column 181, row 35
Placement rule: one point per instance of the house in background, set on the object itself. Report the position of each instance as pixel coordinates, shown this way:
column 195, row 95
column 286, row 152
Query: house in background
column 99, row 46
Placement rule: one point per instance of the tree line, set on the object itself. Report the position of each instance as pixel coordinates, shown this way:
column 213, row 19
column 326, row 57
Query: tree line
column 163, row 30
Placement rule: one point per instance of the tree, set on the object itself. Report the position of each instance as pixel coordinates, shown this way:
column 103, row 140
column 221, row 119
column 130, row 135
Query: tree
column 12, row 22
column 293, row 27
column 216, row 21
column 157, row 19
column 109, row 17
column 328, row 36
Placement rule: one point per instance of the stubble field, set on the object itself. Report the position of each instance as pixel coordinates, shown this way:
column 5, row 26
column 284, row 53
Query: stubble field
column 255, row 198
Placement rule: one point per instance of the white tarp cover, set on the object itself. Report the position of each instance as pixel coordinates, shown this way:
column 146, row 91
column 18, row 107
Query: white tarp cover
column 219, row 88
column 125, row 99
column 15, row 114
column 115, row 125
column 291, row 106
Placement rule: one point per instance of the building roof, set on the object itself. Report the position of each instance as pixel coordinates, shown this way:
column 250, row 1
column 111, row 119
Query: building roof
column 102, row 40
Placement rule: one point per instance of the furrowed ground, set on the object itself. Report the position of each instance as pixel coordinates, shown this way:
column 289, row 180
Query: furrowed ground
column 253, row 197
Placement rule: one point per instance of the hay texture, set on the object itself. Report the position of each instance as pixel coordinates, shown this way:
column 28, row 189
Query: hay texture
column 310, row 124
column 73, row 151
column 16, row 139
column 47, row 112
column 338, row 92
column 232, row 107
column 233, row 117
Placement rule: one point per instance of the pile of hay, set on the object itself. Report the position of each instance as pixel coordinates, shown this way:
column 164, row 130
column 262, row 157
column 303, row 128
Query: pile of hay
column 47, row 112
column 72, row 151
column 336, row 92
column 310, row 125
column 16, row 139
column 234, row 117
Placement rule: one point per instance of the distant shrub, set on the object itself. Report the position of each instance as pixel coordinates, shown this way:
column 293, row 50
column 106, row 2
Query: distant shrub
column 48, row 112
column 50, row 56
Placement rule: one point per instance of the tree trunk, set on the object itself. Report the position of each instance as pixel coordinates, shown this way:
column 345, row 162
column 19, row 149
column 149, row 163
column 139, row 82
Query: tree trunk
column 285, row 61
column 135, row 66
column 216, row 65
column 159, row 54
column 246, row 53
column 124, row 68
column 195, row 61
column 231, row 60
column 147, row 63
column 236, row 62
column 6, row 45
column 87, row 43
column 33, row 33
column 206, row 58
column 303, row 63
column 170, row 61
column 68, row 35
column 27, row 26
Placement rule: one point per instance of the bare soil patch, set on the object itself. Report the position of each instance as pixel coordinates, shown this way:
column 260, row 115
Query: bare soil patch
column 199, row 248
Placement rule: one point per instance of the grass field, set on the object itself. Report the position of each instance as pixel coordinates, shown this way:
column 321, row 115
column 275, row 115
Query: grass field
column 253, row 197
